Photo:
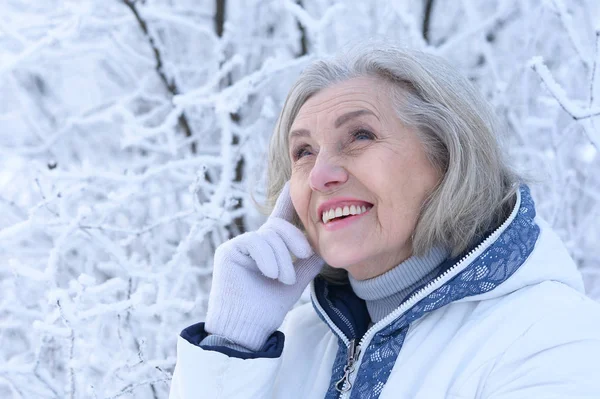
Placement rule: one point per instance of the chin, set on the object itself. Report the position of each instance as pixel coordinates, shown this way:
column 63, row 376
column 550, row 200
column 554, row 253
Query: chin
column 342, row 260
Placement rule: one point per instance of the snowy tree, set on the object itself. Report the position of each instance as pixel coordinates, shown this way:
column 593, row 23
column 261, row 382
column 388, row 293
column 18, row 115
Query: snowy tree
column 133, row 134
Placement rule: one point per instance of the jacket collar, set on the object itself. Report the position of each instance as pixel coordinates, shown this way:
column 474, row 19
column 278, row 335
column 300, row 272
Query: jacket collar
column 480, row 269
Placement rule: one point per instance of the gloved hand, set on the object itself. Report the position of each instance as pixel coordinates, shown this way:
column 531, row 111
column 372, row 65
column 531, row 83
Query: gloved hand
column 255, row 283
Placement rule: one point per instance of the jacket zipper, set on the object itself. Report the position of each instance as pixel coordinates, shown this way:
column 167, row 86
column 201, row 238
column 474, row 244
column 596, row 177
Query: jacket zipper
column 354, row 361
column 344, row 384
column 342, row 317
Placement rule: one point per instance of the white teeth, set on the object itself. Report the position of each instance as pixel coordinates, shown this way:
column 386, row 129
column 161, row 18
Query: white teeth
column 345, row 211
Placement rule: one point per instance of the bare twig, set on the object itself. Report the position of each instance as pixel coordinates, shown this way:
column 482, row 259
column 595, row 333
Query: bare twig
column 558, row 93
column 593, row 79
column 137, row 344
column 131, row 387
column 71, row 350
column 45, row 202
column 220, row 17
column 594, row 67
column 427, row 19
column 170, row 84
column 36, row 368
column 303, row 37
column 489, row 25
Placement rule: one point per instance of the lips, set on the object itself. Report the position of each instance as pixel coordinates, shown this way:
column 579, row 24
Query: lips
column 342, row 207
column 351, row 210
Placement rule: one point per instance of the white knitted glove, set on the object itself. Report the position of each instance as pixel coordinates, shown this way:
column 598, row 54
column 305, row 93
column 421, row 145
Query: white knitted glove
column 255, row 283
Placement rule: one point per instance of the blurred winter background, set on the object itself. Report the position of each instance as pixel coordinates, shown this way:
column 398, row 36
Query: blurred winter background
column 132, row 132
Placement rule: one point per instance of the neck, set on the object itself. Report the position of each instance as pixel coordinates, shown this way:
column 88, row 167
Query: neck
column 385, row 292
column 373, row 268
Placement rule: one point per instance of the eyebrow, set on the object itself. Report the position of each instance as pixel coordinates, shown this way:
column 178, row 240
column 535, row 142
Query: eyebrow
column 338, row 122
column 351, row 115
column 299, row 133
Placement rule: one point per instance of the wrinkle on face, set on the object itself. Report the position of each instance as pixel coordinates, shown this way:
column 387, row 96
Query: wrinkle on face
column 391, row 171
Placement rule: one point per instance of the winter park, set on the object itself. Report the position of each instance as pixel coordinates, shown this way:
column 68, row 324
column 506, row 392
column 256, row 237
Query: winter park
column 299, row 199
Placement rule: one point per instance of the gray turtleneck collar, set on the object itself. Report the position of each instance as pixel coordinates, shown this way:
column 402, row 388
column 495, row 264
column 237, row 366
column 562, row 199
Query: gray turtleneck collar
column 386, row 292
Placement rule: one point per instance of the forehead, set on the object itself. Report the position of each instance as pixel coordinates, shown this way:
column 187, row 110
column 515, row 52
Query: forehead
column 357, row 93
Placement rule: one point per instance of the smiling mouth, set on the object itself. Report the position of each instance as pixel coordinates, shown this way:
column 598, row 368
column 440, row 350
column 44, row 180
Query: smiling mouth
column 343, row 212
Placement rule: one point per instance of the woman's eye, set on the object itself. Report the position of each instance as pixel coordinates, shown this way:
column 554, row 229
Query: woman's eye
column 301, row 152
column 363, row 134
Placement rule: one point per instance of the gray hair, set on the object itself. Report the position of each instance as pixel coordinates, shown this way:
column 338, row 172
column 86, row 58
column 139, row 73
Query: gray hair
column 458, row 130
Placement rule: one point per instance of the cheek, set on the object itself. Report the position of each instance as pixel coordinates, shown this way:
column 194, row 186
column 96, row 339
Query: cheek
column 397, row 210
column 298, row 194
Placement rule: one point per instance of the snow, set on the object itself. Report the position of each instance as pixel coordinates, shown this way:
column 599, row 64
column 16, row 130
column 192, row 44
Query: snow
column 110, row 211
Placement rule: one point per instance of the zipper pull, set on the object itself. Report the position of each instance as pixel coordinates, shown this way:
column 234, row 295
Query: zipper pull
column 353, row 354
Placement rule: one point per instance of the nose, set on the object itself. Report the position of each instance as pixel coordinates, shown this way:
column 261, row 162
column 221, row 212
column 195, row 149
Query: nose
column 327, row 174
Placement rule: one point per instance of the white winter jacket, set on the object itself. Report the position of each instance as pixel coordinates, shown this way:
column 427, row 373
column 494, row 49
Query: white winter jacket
column 509, row 319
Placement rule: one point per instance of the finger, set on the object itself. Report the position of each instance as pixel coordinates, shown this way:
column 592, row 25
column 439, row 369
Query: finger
column 307, row 269
column 287, row 274
column 254, row 246
column 293, row 238
column 284, row 209
column 232, row 252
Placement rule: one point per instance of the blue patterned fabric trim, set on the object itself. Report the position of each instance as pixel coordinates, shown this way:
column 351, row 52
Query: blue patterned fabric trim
column 490, row 269
column 486, row 272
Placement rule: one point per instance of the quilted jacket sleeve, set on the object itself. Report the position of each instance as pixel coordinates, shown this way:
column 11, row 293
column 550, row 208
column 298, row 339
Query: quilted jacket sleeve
column 222, row 372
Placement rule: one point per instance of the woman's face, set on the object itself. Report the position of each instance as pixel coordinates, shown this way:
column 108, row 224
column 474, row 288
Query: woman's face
column 351, row 153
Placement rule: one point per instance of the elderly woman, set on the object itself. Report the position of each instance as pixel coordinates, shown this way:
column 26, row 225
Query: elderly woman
column 430, row 274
